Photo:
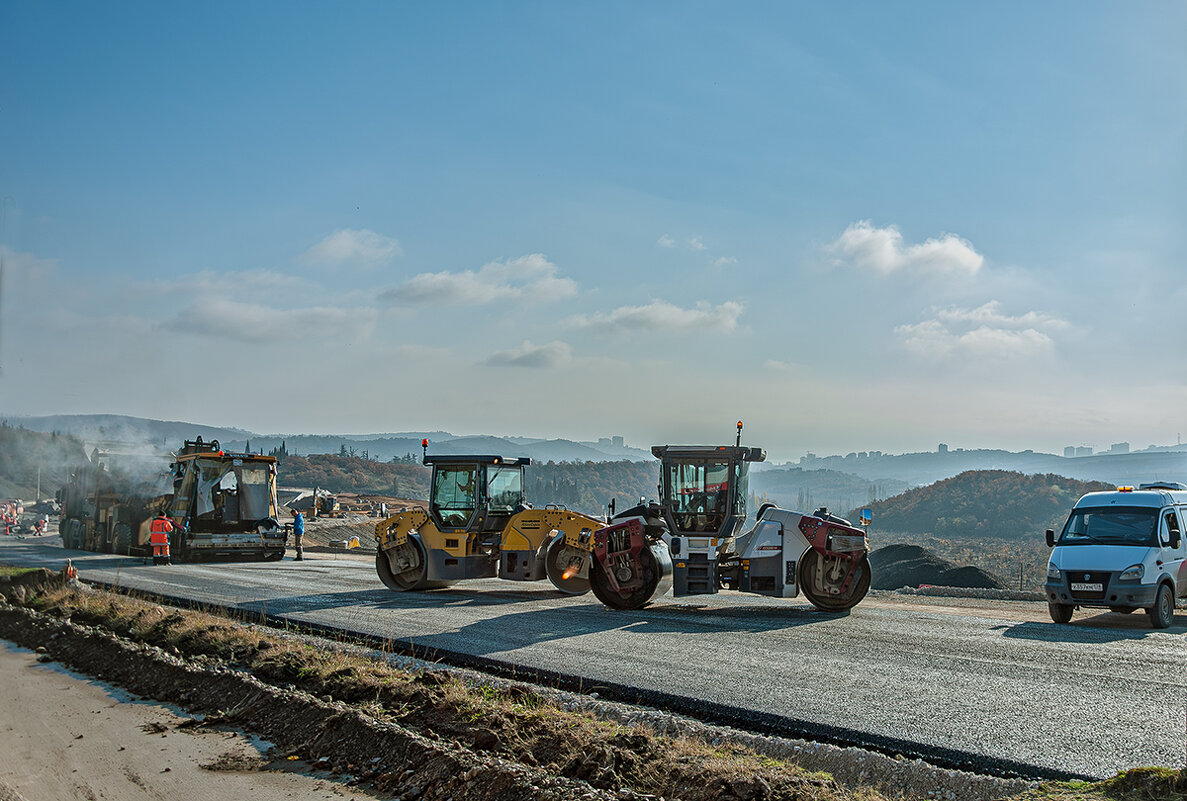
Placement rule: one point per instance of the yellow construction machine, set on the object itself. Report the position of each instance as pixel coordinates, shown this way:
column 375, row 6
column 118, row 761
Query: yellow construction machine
column 478, row 525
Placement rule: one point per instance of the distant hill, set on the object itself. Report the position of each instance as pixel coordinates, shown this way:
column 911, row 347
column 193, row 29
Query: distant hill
column 1167, row 463
column 898, row 566
column 983, row 503
column 807, row 490
column 354, row 474
column 118, row 428
column 588, row 486
column 101, row 428
column 25, row 454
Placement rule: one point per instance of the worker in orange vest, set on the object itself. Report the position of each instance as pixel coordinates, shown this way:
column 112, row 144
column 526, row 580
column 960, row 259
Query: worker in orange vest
column 158, row 537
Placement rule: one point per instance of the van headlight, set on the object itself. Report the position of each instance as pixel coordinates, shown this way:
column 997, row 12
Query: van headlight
column 1133, row 573
column 1053, row 572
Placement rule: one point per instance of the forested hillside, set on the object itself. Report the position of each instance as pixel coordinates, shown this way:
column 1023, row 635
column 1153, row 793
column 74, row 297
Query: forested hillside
column 354, row 474
column 584, row 486
column 23, row 453
column 983, row 503
column 588, row 486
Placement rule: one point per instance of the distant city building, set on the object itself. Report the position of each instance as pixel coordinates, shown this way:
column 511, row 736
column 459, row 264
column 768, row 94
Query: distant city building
column 1119, row 447
column 942, row 449
column 604, row 442
column 1069, row 451
column 1083, row 450
column 617, row 441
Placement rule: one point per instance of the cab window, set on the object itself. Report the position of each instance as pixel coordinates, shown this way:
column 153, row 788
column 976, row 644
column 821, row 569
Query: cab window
column 454, row 494
column 699, row 495
column 504, row 488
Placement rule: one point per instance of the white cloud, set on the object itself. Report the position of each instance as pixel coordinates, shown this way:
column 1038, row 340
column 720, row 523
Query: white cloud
column 696, row 244
column 666, row 241
column 980, row 334
column 353, row 246
column 530, row 277
column 252, row 323
column 775, row 364
column 725, row 261
column 882, row 249
column 663, row 316
column 553, row 354
column 212, row 282
column 990, row 314
column 22, row 268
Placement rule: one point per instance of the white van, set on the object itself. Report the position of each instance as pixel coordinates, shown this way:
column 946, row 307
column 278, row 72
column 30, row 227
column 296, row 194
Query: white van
column 1121, row 550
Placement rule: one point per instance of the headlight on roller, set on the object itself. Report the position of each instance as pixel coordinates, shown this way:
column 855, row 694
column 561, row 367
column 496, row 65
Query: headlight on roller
column 1053, row 572
column 1133, row 573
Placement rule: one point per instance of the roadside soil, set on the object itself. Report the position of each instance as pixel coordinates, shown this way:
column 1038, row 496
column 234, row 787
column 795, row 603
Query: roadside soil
column 68, row 736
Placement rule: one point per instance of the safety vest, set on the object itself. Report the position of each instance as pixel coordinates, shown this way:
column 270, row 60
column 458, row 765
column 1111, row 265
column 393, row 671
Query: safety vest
column 158, row 532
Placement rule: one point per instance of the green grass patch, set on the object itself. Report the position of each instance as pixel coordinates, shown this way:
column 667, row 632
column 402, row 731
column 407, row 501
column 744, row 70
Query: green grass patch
column 1137, row 784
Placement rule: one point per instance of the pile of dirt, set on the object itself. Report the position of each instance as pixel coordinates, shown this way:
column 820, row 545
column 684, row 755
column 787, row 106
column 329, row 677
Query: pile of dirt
column 898, row 566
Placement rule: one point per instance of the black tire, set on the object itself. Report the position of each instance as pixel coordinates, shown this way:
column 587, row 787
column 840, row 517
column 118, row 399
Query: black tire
column 1061, row 613
column 828, row 602
column 556, row 559
column 122, row 540
column 1123, row 610
column 412, row 579
column 1162, row 613
column 600, row 584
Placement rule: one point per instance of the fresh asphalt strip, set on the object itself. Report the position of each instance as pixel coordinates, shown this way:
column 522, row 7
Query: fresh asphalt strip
column 704, row 711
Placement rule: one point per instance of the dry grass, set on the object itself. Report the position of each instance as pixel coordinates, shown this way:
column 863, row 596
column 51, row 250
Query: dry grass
column 513, row 722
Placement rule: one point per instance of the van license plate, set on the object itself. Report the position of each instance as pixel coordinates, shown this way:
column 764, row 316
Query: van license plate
column 1094, row 587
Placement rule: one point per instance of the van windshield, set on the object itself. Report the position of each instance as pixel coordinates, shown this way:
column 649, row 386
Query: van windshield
column 1111, row 525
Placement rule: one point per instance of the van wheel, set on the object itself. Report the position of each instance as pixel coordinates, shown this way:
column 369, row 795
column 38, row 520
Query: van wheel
column 1162, row 613
column 1061, row 613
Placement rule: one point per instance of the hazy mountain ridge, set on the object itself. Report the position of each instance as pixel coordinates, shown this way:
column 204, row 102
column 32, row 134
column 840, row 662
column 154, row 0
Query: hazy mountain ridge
column 94, row 428
column 807, row 490
column 983, row 503
column 886, row 473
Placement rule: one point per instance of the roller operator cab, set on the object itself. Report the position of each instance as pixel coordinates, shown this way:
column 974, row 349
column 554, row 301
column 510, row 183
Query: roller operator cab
column 692, row 540
column 478, row 525
column 1121, row 550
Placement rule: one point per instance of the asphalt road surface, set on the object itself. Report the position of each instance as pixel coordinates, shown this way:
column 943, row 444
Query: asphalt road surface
column 995, row 678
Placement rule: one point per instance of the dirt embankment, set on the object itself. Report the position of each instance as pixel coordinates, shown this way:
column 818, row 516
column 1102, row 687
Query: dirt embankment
column 410, row 734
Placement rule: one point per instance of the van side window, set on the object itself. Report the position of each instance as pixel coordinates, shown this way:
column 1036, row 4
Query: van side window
column 1172, row 525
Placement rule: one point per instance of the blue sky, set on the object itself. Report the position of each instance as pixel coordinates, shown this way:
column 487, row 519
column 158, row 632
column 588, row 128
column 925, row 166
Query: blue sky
column 857, row 226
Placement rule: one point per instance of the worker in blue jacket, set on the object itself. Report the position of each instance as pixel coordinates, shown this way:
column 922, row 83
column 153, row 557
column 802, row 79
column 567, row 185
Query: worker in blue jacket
column 298, row 532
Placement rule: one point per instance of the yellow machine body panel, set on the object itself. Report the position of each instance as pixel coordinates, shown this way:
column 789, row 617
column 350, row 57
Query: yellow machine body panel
column 394, row 530
column 530, row 529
